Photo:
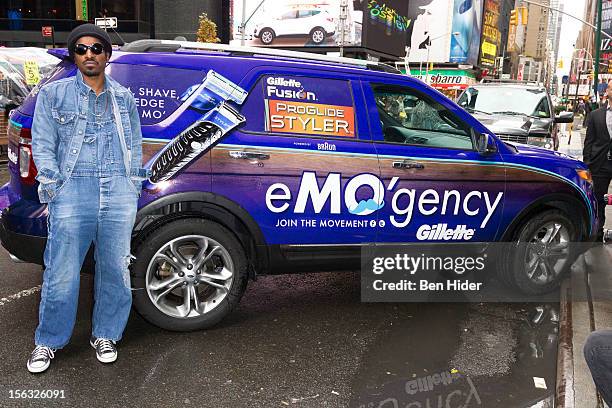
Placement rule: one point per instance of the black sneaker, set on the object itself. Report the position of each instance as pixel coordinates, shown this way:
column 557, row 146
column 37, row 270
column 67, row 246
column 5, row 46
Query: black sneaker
column 106, row 352
column 40, row 359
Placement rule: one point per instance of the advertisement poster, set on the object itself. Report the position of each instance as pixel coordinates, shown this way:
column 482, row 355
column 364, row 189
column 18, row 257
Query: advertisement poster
column 466, row 28
column 606, row 43
column 385, row 26
column 491, row 36
column 308, row 106
column 297, row 23
column 429, row 33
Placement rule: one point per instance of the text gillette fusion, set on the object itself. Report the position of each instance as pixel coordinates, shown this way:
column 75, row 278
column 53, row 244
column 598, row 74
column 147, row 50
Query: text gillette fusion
column 404, row 202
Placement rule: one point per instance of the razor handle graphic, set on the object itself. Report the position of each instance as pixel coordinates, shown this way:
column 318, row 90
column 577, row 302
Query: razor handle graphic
column 196, row 140
column 210, row 98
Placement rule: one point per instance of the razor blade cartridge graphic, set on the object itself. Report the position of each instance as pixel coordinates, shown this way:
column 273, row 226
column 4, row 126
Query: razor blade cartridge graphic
column 194, row 141
column 211, row 99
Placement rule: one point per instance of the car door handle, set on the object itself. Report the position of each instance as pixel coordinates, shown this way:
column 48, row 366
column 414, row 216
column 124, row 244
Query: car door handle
column 249, row 155
column 406, row 164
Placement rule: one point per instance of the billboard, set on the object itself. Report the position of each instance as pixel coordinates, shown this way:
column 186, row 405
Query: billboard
column 606, row 43
column 429, row 34
column 385, row 25
column 491, row 37
column 465, row 32
column 297, row 23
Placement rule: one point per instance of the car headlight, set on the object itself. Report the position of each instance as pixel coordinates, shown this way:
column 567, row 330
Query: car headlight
column 585, row 175
column 544, row 142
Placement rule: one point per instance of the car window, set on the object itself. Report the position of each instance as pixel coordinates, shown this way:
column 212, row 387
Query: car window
column 301, row 105
column 406, row 117
column 304, row 13
column 156, row 98
column 543, row 109
column 288, row 15
column 507, row 100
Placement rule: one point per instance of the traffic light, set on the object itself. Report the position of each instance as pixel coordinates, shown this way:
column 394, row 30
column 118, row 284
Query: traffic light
column 514, row 17
column 524, row 14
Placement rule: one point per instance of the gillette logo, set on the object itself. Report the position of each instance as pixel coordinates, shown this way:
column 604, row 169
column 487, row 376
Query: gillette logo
column 291, row 83
column 273, row 90
column 405, row 202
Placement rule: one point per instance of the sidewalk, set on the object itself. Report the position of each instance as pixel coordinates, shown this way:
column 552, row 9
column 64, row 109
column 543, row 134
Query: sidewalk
column 584, row 308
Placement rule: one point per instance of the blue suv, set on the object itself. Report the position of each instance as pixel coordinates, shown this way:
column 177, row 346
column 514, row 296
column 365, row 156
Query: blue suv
column 267, row 161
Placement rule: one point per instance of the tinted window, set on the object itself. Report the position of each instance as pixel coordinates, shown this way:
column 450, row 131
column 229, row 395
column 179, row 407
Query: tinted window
column 158, row 91
column 300, row 105
column 407, row 117
column 288, row 15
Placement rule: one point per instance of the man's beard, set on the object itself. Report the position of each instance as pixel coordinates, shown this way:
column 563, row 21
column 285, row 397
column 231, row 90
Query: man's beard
column 91, row 73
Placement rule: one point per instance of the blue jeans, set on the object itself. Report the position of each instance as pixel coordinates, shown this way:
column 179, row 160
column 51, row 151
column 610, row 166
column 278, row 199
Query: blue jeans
column 86, row 210
column 598, row 355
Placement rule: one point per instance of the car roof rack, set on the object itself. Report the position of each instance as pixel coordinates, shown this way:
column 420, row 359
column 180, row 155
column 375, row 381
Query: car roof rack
column 173, row 46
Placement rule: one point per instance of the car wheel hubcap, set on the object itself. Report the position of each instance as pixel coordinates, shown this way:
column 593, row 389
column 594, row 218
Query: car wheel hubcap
column 189, row 276
column 266, row 37
column 317, row 36
column 547, row 253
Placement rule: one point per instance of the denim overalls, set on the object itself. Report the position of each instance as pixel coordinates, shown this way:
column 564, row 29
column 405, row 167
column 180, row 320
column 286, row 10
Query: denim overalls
column 98, row 204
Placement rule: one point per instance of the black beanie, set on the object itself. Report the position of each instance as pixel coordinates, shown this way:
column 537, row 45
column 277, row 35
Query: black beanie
column 89, row 30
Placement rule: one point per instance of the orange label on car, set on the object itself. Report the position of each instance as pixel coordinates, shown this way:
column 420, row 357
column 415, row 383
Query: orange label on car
column 310, row 118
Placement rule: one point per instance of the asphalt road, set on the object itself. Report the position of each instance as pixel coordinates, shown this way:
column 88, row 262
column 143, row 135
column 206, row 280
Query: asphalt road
column 295, row 340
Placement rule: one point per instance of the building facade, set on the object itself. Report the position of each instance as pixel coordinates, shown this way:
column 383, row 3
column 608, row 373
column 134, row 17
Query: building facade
column 21, row 20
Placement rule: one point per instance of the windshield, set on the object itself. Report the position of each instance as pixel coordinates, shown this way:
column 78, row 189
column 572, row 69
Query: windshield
column 506, row 100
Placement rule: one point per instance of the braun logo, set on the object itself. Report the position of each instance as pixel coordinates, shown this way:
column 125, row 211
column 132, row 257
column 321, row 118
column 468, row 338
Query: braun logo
column 284, row 82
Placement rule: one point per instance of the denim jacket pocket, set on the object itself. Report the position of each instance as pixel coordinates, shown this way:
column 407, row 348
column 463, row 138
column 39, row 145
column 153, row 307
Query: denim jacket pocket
column 65, row 122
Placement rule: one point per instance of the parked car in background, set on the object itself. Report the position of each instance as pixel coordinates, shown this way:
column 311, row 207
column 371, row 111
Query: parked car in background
column 304, row 21
column 17, row 79
column 516, row 112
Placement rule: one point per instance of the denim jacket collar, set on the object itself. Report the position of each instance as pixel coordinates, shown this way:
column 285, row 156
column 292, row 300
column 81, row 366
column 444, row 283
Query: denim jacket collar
column 84, row 88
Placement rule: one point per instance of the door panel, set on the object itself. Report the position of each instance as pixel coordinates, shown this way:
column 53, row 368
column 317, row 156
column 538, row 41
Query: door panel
column 436, row 187
column 289, row 170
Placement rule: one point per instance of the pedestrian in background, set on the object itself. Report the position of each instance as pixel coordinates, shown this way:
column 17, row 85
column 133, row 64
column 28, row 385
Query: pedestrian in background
column 598, row 156
column 87, row 146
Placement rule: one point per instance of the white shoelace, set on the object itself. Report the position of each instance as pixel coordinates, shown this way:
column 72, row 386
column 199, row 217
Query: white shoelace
column 105, row 346
column 42, row 353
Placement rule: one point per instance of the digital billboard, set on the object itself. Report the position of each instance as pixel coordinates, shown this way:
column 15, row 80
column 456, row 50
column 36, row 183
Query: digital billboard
column 606, row 43
column 297, row 23
column 429, row 32
column 465, row 32
column 491, row 37
column 385, row 26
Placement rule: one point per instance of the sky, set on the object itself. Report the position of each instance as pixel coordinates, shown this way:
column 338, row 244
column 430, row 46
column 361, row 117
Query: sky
column 569, row 33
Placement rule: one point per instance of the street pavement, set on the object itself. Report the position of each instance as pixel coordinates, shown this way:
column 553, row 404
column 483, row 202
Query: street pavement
column 591, row 299
column 295, row 340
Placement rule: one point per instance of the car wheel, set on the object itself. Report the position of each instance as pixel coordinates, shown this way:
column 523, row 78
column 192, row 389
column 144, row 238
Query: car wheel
column 317, row 35
column 266, row 36
column 541, row 253
column 192, row 272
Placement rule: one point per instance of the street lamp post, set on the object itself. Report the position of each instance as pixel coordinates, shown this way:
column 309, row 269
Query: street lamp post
column 597, row 48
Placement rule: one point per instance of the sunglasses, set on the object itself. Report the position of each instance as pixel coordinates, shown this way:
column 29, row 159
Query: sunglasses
column 96, row 48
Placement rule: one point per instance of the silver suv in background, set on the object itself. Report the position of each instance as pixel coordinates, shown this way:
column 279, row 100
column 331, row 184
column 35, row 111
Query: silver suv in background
column 516, row 112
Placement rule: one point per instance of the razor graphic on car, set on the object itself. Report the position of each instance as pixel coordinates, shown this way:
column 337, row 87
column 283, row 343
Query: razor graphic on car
column 211, row 98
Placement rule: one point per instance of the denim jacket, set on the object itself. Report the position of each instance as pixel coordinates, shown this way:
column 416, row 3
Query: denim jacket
column 58, row 128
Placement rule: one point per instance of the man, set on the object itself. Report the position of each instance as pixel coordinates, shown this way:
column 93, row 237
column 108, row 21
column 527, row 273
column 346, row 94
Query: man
column 86, row 142
column 598, row 156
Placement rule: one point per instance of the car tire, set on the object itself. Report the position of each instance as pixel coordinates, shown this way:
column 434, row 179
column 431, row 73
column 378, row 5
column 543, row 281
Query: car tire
column 541, row 253
column 217, row 285
column 317, row 35
column 266, row 36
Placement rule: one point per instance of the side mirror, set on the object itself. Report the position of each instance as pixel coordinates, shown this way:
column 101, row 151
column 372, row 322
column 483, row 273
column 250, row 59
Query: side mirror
column 485, row 144
column 565, row 117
